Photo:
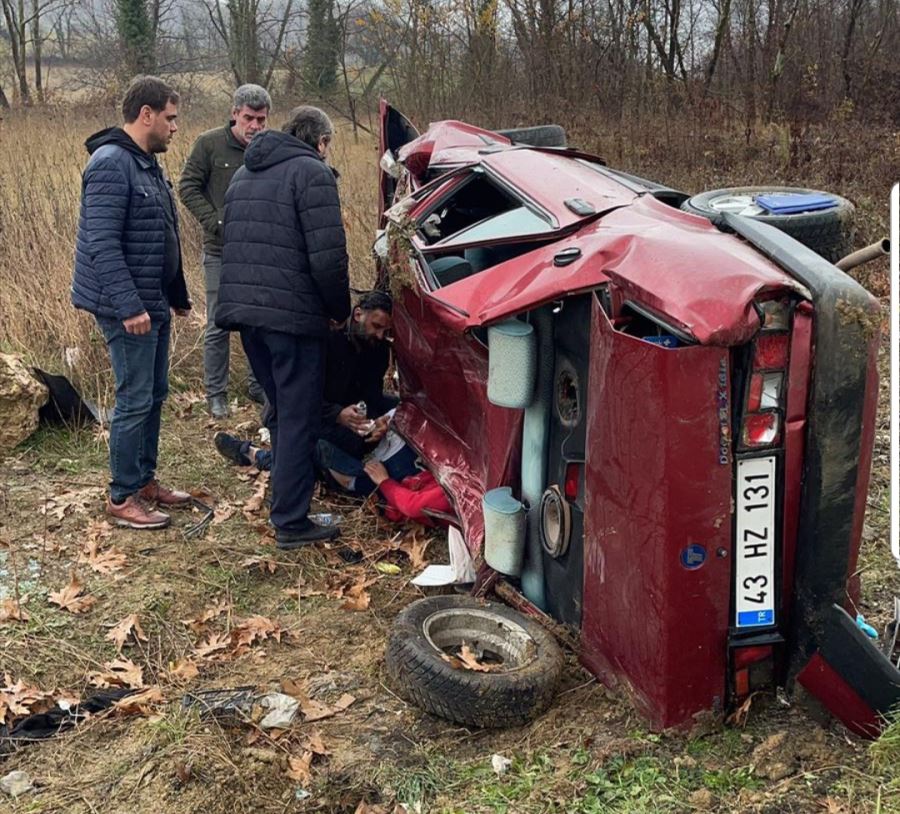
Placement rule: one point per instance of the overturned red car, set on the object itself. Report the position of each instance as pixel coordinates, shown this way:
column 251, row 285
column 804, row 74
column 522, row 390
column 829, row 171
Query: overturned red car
column 653, row 413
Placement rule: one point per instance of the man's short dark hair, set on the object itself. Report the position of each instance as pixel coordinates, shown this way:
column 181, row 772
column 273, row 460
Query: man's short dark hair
column 150, row 91
column 308, row 124
column 376, row 301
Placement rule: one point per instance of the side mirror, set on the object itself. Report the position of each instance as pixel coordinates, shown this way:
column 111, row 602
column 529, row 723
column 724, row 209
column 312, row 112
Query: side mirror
column 390, row 165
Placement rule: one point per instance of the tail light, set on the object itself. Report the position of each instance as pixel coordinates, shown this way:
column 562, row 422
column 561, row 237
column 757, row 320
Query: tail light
column 753, row 668
column 573, row 478
column 761, row 423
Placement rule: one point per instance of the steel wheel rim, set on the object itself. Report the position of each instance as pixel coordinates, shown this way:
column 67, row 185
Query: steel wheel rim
column 491, row 637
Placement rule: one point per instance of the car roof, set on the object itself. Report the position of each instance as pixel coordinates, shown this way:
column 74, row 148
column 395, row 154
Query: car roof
column 546, row 176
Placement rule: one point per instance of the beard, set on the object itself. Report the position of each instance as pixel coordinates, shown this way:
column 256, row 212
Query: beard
column 157, row 144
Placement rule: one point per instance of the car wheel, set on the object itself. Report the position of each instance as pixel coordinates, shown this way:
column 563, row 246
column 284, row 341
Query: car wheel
column 523, row 660
column 828, row 232
column 545, row 135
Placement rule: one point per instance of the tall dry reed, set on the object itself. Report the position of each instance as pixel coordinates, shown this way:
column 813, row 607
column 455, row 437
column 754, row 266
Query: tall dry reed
column 41, row 160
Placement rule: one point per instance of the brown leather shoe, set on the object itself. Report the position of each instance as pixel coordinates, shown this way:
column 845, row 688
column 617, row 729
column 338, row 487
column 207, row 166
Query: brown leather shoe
column 136, row 513
column 155, row 492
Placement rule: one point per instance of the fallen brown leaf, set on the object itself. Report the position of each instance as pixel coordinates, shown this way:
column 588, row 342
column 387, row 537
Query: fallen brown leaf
column 263, row 563
column 470, row 661
column 118, row 673
column 184, row 670
column 742, row 713
column 120, row 633
column 256, row 628
column 315, row 744
column 22, row 699
column 357, row 603
column 140, row 703
column 316, row 711
column 255, row 503
column 222, row 512
column 415, row 548
column 12, row 611
column 299, row 768
column 211, row 612
column 70, row 598
column 71, row 501
column 214, row 643
column 107, row 562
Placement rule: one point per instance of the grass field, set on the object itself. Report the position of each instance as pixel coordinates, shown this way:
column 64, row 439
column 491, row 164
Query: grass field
column 288, row 620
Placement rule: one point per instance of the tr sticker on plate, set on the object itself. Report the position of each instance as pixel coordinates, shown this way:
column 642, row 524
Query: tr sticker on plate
column 754, row 585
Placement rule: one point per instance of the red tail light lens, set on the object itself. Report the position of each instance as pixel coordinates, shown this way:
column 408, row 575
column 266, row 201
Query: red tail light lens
column 573, row 477
column 761, row 430
column 754, row 396
column 771, row 352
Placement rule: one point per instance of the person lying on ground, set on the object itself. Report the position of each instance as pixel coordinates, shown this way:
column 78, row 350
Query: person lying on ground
column 392, row 468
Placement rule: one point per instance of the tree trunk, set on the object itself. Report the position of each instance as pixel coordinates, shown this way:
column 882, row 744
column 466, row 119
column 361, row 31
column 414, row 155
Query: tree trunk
column 36, row 47
column 4, row 102
column 721, row 28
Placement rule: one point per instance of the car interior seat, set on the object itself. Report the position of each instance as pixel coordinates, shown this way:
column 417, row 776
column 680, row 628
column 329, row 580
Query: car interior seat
column 450, row 269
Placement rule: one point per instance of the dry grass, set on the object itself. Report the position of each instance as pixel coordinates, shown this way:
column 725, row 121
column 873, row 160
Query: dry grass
column 41, row 183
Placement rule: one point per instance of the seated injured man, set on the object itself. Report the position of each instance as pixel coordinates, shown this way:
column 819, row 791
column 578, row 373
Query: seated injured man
column 355, row 416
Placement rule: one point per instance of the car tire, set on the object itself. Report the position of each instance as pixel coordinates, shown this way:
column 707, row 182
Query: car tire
column 827, row 232
column 427, row 629
column 545, row 135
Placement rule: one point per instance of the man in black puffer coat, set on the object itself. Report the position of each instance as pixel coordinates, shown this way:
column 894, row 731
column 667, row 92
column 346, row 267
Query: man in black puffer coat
column 284, row 280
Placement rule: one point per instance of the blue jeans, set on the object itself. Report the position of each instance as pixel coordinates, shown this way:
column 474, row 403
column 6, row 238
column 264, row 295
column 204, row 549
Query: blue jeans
column 400, row 465
column 141, row 367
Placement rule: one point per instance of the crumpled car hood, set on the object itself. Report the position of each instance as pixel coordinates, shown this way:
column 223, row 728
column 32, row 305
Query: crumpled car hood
column 673, row 262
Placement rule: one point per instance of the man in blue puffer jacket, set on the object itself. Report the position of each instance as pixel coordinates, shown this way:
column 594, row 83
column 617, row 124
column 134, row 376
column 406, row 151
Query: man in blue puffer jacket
column 128, row 274
column 284, row 280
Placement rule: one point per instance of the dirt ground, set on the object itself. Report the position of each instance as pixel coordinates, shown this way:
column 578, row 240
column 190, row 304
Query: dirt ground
column 227, row 610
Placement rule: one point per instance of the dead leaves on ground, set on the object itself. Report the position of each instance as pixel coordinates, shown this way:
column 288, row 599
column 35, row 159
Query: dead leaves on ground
column 255, row 503
column 184, row 669
column 264, row 564
column 139, row 703
column 314, row 710
column 131, row 624
column 224, row 646
column 103, row 562
column 118, row 673
column 299, row 767
column 71, row 501
column 11, row 610
column 19, row 699
column 71, row 598
column 467, row 659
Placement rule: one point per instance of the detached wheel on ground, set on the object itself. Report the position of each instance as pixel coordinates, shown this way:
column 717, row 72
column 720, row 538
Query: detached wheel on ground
column 517, row 662
column 827, row 231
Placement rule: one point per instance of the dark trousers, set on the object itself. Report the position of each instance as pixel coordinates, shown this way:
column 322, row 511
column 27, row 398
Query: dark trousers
column 140, row 364
column 216, row 341
column 291, row 371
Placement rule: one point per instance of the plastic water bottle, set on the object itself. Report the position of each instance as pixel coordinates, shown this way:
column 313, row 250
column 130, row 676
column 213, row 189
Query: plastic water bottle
column 326, row 519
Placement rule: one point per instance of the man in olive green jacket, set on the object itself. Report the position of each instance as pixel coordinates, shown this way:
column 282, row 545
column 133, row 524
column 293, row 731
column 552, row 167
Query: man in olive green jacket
column 215, row 157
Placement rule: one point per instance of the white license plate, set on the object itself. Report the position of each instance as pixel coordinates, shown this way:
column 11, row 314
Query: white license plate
column 754, row 584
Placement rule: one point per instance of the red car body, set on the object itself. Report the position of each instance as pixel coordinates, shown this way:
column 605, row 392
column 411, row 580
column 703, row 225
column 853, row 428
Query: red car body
column 670, row 334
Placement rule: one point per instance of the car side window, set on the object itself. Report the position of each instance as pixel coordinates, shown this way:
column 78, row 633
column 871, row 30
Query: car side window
column 478, row 210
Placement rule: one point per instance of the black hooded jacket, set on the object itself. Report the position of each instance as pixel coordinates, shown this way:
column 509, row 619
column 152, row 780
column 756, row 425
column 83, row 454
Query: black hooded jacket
column 127, row 252
column 284, row 255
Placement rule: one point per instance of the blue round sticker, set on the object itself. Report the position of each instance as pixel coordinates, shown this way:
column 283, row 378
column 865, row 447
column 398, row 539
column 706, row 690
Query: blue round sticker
column 693, row 556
